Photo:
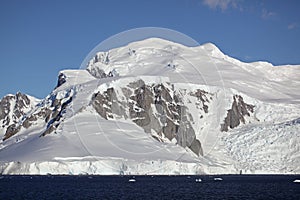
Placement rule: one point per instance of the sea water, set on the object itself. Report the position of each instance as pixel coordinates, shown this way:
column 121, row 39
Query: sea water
column 150, row 187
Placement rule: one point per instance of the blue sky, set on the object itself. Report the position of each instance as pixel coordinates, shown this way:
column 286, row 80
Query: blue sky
column 38, row 38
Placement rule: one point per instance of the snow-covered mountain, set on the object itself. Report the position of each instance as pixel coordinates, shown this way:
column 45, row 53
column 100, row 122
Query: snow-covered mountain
column 158, row 107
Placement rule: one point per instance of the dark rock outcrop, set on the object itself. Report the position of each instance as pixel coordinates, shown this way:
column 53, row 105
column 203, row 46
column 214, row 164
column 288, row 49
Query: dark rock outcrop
column 97, row 72
column 56, row 114
column 103, row 103
column 196, row 147
column 236, row 114
column 102, row 58
column 151, row 107
column 12, row 110
column 5, row 109
column 203, row 99
column 50, row 111
column 19, row 101
column 11, row 130
column 61, row 80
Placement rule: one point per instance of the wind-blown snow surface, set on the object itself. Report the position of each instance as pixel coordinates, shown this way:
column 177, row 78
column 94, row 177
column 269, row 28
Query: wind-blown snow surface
column 86, row 143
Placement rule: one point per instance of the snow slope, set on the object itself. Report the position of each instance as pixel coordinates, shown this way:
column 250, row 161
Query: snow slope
column 245, row 116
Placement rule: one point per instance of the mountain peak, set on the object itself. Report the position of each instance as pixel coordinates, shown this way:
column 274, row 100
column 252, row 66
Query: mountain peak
column 213, row 50
column 155, row 41
column 210, row 46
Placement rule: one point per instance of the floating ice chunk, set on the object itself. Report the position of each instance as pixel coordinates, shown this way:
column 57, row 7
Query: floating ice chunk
column 218, row 179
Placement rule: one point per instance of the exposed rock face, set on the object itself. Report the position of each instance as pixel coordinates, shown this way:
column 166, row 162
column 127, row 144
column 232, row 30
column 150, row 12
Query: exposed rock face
column 43, row 113
column 61, row 79
column 97, row 72
column 140, row 105
column 53, row 120
column 5, row 109
column 11, row 130
column 100, row 58
column 103, row 103
column 236, row 114
column 12, row 109
column 50, row 112
column 153, row 107
column 203, row 99
column 15, row 104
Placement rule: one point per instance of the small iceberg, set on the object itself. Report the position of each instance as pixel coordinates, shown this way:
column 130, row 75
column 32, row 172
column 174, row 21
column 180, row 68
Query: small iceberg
column 297, row 181
column 218, row 179
column 131, row 180
column 198, row 180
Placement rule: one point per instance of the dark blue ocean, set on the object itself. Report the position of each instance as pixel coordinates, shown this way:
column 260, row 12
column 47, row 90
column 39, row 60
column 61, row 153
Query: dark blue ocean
column 149, row 187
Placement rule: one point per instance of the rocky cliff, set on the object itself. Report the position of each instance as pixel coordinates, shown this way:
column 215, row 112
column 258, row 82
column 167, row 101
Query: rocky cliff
column 13, row 109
